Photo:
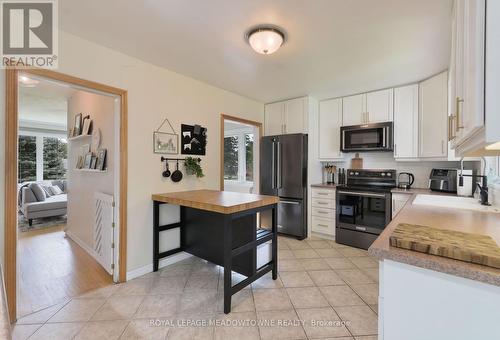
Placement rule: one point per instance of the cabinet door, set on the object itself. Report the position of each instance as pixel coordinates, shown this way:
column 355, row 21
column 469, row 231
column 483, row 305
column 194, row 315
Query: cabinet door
column 353, row 110
column 295, row 115
column 379, row 106
column 330, row 121
column 398, row 202
column 433, row 117
column 406, row 121
column 472, row 109
column 273, row 120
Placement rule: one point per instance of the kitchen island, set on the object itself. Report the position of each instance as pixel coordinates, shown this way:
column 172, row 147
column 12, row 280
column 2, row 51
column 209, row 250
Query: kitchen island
column 221, row 227
column 424, row 296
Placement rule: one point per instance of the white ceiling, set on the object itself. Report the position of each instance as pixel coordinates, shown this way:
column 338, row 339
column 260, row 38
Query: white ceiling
column 333, row 47
column 46, row 104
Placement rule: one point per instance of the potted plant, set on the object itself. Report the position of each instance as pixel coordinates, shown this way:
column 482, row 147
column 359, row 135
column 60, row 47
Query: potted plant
column 193, row 167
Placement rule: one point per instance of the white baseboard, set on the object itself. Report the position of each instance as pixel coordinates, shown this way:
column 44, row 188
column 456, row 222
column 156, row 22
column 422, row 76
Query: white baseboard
column 163, row 263
column 82, row 244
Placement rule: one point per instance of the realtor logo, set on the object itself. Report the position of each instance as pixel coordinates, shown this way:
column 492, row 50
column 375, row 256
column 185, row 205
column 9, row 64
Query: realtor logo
column 29, row 33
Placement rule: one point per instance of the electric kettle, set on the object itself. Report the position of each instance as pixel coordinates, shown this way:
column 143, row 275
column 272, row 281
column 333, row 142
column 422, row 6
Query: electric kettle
column 405, row 180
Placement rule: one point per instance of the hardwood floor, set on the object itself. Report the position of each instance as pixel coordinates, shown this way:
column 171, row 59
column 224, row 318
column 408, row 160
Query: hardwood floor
column 53, row 268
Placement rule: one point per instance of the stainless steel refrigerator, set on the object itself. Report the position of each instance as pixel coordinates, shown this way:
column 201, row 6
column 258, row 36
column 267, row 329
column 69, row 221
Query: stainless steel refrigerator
column 283, row 173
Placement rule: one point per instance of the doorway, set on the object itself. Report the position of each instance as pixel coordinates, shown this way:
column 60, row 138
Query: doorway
column 43, row 154
column 240, row 145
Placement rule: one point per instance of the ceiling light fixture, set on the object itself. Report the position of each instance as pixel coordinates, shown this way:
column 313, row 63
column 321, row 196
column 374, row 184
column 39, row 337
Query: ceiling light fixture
column 265, row 39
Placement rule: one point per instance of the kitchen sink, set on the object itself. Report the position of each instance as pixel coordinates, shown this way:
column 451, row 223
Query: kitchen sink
column 453, row 202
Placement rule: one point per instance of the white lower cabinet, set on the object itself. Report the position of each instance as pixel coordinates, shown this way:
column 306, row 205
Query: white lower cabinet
column 323, row 211
column 398, row 202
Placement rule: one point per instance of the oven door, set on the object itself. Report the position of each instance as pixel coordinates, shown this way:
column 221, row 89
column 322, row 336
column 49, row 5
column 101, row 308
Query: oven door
column 366, row 212
column 370, row 137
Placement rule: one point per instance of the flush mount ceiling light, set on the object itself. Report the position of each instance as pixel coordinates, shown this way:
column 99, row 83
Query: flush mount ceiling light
column 265, row 39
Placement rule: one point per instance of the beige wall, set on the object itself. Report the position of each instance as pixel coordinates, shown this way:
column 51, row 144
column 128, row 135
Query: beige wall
column 83, row 185
column 154, row 93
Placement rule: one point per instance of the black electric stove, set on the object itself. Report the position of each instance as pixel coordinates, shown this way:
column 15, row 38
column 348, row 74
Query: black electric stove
column 364, row 206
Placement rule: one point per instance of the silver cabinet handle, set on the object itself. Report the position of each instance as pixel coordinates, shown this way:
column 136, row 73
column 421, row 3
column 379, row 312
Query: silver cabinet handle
column 322, row 203
column 322, row 225
column 273, row 166
column 322, row 212
column 290, row 202
column 363, row 194
column 279, row 166
column 323, row 193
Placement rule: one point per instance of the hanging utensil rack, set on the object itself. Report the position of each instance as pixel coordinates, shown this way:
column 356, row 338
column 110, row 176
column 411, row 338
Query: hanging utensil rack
column 167, row 159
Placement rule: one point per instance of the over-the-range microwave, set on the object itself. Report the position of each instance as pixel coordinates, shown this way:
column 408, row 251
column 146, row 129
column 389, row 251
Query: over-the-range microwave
column 367, row 137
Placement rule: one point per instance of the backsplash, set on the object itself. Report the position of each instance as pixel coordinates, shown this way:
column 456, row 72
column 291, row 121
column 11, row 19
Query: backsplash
column 420, row 169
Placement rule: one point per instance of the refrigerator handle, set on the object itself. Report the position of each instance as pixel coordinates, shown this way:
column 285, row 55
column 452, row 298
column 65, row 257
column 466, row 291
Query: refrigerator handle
column 279, row 166
column 273, row 166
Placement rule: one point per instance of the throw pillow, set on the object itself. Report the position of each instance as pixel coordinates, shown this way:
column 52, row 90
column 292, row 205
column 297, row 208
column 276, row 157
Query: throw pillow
column 47, row 190
column 55, row 190
column 38, row 192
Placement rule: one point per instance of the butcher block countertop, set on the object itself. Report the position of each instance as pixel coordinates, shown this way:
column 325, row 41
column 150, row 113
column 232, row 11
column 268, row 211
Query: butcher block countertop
column 468, row 221
column 224, row 202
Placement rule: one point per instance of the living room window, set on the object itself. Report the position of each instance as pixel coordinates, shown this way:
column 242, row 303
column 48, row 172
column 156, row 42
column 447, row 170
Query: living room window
column 42, row 158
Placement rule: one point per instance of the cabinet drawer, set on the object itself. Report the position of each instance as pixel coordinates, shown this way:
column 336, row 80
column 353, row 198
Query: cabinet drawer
column 323, row 193
column 323, row 213
column 323, row 203
column 323, row 225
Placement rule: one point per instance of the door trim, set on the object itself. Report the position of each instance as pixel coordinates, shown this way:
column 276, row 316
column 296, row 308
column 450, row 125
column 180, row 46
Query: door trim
column 224, row 117
column 11, row 158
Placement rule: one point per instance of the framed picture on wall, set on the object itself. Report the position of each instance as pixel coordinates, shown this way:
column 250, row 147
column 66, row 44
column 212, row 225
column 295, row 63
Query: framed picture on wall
column 101, row 159
column 87, row 125
column 88, row 160
column 166, row 143
column 77, row 128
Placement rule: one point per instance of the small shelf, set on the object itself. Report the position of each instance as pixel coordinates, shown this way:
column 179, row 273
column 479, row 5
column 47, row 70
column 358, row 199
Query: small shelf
column 79, row 137
column 92, row 170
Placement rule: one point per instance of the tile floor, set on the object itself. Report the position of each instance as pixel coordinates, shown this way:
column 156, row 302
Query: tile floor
column 320, row 285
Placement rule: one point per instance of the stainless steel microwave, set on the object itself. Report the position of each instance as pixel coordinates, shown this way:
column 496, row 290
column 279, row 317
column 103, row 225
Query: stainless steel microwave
column 367, row 137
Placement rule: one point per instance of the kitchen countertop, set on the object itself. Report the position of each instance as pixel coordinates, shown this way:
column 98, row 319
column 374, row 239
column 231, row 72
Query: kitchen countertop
column 224, row 202
column 324, row 185
column 469, row 221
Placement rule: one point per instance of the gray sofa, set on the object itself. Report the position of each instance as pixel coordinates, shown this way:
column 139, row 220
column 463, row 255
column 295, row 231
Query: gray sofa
column 32, row 207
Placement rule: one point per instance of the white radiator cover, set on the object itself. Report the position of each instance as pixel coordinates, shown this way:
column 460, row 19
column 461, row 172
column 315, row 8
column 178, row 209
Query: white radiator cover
column 103, row 237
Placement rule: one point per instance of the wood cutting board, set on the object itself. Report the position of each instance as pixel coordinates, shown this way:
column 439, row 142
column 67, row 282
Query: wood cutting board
column 474, row 248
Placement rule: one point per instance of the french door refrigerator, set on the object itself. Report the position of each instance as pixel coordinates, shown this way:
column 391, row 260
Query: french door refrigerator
column 283, row 173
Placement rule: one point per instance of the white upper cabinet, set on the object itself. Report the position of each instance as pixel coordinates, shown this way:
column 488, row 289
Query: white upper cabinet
column 469, row 21
column 353, row 110
column 286, row 117
column 475, row 77
column 296, row 115
column 433, row 117
column 379, row 106
column 330, row 121
column 365, row 108
column 273, row 119
column 406, row 121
